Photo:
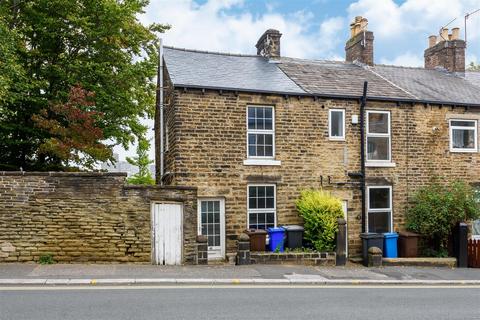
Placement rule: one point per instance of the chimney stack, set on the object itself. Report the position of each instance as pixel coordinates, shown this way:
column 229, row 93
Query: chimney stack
column 360, row 45
column 446, row 51
column 268, row 45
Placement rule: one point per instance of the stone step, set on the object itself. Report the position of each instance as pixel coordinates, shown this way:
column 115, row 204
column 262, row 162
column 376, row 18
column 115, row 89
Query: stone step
column 421, row 262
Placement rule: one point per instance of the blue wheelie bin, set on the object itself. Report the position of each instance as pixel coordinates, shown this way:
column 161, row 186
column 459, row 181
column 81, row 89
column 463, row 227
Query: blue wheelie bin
column 277, row 238
column 390, row 245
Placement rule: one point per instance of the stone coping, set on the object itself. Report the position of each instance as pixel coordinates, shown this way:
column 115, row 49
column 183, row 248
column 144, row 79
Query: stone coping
column 91, row 175
column 62, row 174
column 421, row 262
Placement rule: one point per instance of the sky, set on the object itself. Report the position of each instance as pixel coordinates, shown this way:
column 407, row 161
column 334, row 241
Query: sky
column 315, row 29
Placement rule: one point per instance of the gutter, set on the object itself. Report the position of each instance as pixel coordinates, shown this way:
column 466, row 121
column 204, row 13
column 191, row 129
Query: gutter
column 329, row 96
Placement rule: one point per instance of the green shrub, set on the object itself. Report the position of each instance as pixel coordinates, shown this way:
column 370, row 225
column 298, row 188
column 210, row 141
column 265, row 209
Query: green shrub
column 320, row 211
column 46, row 259
column 437, row 208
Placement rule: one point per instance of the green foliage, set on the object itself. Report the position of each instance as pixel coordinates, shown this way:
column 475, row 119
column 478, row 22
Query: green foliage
column 437, row 208
column 52, row 46
column 142, row 161
column 320, row 211
column 299, row 250
column 46, row 259
column 473, row 67
column 75, row 134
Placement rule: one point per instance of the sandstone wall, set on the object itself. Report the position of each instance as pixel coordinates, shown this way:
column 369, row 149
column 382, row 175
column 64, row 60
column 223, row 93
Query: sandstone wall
column 209, row 132
column 84, row 217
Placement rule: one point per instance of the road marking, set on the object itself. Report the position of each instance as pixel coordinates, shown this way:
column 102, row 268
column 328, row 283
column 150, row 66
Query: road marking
column 292, row 286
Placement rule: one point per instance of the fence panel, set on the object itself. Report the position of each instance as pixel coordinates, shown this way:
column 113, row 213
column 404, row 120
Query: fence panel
column 474, row 253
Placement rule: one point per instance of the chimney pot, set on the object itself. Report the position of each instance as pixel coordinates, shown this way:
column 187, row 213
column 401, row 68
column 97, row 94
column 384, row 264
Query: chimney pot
column 455, row 33
column 432, row 40
column 444, row 34
column 363, row 24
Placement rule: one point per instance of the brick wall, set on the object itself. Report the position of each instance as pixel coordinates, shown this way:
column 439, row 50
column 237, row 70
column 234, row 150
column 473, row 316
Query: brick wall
column 210, row 147
column 84, row 217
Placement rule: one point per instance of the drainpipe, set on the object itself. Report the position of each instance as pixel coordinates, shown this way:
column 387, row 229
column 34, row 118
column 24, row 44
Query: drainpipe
column 362, row 151
column 159, row 145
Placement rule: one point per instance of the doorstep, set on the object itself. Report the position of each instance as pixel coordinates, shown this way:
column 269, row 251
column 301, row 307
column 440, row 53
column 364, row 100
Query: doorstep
column 420, row 262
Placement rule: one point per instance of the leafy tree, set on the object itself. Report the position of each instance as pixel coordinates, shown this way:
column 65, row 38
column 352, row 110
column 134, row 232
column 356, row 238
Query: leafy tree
column 320, row 211
column 75, row 135
column 98, row 45
column 142, row 161
column 10, row 68
column 437, row 208
column 473, row 67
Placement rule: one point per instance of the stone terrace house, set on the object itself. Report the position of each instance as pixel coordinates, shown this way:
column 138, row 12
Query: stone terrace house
column 252, row 131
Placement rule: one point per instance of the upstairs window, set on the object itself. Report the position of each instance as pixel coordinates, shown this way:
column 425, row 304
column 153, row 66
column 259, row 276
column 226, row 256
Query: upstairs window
column 463, row 135
column 261, row 206
column 378, row 136
column 336, row 124
column 260, row 132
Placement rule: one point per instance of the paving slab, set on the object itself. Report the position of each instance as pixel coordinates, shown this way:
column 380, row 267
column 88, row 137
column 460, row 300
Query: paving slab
column 79, row 274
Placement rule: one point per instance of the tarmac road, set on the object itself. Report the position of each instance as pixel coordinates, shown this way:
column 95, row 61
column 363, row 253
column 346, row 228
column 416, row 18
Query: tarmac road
column 240, row 302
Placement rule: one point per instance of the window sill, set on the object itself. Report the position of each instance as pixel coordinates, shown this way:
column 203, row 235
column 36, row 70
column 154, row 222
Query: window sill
column 463, row 150
column 380, row 164
column 261, row 162
column 336, row 139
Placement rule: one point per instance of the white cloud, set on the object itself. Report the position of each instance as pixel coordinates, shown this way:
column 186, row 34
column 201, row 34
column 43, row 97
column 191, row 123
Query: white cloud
column 407, row 59
column 212, row 26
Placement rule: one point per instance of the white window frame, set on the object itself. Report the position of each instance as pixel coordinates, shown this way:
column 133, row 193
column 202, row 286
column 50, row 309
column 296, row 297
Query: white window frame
column 256, row 131
column 452, row 127
column 262, row 210
column 373, row 210
column 388, row 162
column 330, row 136
column 213, row 254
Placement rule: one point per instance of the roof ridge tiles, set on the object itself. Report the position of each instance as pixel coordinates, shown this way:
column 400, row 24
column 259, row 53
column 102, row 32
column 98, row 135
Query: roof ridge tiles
column 214, row 52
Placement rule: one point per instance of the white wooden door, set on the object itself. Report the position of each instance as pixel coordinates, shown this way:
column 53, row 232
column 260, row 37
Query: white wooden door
column 167, row 233
column 211, row 223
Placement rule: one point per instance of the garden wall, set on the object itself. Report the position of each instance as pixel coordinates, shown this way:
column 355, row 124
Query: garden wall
column 84, row 217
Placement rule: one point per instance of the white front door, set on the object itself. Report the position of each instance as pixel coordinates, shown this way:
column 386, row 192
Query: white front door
column 211, row 223
column 167, row 233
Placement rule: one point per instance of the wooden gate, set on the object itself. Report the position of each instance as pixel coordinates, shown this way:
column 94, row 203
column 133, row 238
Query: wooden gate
column 474, row 253
column 167, row 233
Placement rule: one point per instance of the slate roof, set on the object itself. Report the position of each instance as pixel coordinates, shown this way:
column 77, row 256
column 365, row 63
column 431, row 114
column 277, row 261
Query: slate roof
column 338, row 79
column 473, row 77
column 211, row 70
column 226, row 71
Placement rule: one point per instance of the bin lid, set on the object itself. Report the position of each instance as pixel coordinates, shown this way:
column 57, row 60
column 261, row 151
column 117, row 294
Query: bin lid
column 273, row 230
column 390, row 235
column 255, row 231
column 293, row 228
column 408, row 234
column 371, row 235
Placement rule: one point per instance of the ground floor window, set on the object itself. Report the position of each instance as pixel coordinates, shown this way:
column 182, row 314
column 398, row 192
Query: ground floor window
column 379, row 209
column 261, row 206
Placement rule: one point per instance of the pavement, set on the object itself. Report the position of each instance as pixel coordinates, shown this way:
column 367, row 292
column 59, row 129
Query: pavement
column 128, row 274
